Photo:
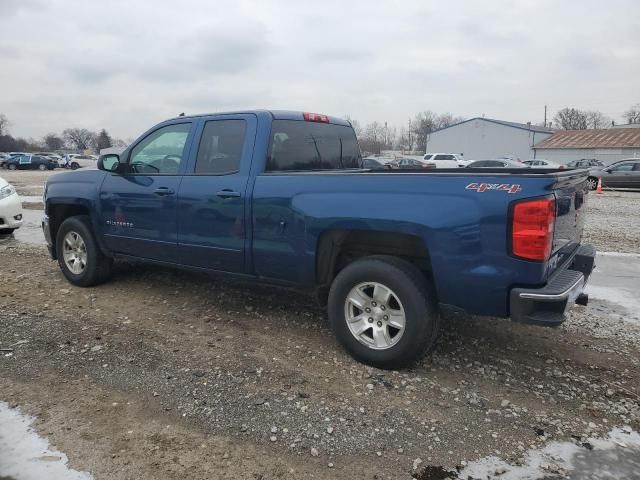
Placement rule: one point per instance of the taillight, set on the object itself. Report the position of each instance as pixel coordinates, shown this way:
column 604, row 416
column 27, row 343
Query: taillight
column 532, row 225
column 315, row 117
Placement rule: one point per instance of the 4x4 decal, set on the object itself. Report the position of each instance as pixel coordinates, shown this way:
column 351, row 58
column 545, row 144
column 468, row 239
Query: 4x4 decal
column 501, row 187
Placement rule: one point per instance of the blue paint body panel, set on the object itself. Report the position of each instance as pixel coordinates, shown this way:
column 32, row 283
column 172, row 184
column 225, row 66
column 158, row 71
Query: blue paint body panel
column 272, row 228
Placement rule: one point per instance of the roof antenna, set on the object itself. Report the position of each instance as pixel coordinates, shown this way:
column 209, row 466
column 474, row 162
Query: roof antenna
column 181, row 115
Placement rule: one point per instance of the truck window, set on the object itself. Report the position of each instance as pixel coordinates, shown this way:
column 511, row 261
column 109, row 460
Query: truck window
column 299, row 145
column 220, row 147
column 161, row 151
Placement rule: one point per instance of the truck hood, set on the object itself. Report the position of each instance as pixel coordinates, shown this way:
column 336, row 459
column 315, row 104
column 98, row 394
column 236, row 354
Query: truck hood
column 88, row 175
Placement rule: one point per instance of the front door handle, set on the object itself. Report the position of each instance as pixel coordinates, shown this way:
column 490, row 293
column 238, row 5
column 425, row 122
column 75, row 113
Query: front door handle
column 162, row 191
column 226, row 193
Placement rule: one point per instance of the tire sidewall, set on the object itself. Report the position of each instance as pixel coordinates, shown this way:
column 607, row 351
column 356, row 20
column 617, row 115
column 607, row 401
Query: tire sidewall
column 420, row 315
column 80, row 226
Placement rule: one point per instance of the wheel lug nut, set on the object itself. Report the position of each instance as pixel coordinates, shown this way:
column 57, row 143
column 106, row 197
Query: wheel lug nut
column 367, row 309
column 370, row 319
column 382, row 307
column 379, row 324
column 373, row 304
column 386, row 317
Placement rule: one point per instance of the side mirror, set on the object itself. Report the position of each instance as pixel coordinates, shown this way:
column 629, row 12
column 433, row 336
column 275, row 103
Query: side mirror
column 109, row 162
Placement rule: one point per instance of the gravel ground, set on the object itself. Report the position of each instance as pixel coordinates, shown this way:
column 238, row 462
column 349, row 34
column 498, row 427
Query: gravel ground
column 160, row 374
column 613, row 221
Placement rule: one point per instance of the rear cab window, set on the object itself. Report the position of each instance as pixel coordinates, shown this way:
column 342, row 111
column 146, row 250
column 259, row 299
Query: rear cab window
column 297, row 145
column 220, row 149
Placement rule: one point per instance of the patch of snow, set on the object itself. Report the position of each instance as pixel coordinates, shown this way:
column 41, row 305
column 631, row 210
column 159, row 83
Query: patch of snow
column 26, row 456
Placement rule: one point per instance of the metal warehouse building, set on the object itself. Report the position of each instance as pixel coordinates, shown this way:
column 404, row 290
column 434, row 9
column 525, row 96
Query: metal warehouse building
column 608, row 146
column 483, row 138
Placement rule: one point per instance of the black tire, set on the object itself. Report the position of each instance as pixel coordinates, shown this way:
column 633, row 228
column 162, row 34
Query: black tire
column 12, row 166
column 74, row 166
column 42, row 167
column 98, row 266
column 592, row 183
column 414, row 291
column 7, row 231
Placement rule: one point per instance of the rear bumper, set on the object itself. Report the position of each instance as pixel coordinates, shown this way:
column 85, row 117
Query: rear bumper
column 549, row 305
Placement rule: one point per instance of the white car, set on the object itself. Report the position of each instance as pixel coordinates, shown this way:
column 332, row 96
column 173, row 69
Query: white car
column 80, row 161
column 542, row 163
column 10, row 208
column 445, row 160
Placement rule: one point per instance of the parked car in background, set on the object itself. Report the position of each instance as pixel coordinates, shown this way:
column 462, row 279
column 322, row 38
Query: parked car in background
column 624, row 174
column 373, row 164
column 410, row 163
column 541, row 163
column 30, row 162
column 499, row 163
column 585, row 163
column 445, row 160
column 6, row 156
column 80, row 161
column 10, row 208
column 54, row 157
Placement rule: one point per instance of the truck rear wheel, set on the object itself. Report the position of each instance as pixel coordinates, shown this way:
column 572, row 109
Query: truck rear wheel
column 383, row 311
column 79, row 256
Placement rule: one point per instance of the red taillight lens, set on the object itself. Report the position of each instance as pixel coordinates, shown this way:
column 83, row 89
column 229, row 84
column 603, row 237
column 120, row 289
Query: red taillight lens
column 532, row 229
column 315, row 117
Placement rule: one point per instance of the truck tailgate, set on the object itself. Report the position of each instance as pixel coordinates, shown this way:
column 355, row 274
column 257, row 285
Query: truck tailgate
column 571, row 195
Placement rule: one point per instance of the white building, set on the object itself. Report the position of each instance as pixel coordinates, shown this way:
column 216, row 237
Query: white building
column 607, row 145
column 484, row 138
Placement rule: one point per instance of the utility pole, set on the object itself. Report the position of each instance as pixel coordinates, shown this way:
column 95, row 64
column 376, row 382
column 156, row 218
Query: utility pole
column 545, row 115
column 410, row 144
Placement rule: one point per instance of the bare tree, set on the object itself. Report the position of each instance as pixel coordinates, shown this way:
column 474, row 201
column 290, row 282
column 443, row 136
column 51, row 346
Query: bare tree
column 4, row 124
column 118, row 142
column 103, row 140
column 428, row 121
column 633, row 114
column 53, row 141
column 571, row 119
column 424, row 123
column 79, row 138
column 372, row 137
column 597, row 119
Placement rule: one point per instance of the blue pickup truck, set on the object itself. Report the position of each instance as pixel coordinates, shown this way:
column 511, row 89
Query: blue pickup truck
column 282, row 197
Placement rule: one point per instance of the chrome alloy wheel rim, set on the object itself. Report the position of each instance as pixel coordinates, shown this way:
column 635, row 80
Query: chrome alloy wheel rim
column 74, row 253
column 375, row 316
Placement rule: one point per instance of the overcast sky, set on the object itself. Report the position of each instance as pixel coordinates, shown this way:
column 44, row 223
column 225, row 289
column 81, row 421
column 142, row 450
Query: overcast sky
column 125, row 65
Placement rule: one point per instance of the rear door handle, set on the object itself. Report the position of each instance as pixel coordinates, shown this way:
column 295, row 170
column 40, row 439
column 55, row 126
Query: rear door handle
column 162, row 191
column 228, row 194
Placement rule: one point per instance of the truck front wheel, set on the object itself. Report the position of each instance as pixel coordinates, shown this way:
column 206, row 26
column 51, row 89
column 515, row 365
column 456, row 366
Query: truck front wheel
column 79, row 256
column 383, row 311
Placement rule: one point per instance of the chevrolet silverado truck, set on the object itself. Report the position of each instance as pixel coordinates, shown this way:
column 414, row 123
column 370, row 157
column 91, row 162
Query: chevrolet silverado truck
column 281, row 197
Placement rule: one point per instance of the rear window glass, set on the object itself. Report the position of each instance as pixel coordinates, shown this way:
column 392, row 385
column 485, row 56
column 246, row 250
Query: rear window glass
column 221, row 147
column 300, row 145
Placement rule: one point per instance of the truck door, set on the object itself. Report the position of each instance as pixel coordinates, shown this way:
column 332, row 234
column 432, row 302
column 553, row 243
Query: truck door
column 139, row 206
column 213, row 200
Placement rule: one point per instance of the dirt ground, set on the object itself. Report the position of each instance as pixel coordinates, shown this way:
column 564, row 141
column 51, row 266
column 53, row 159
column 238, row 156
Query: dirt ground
column 165, row 374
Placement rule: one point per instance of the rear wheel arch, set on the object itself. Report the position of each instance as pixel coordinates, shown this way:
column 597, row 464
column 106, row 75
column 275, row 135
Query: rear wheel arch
column 338, row 248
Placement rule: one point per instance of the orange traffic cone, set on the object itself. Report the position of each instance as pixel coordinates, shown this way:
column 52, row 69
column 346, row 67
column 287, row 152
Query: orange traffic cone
column 599, row 187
